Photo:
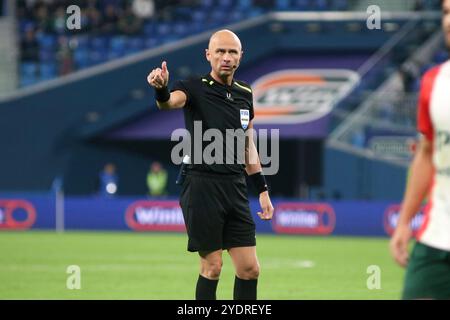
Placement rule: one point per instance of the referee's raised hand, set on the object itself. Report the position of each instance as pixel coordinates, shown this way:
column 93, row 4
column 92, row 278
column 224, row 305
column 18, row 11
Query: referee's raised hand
column 159, row 77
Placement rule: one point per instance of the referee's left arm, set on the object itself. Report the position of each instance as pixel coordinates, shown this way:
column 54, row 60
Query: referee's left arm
column 252, row 163
column 254, row 171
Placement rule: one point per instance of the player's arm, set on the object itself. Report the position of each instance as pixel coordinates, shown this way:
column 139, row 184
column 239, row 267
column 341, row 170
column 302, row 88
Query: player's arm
column 419, row 182
column 159, row 78
column 254, row 171
column 416, row 190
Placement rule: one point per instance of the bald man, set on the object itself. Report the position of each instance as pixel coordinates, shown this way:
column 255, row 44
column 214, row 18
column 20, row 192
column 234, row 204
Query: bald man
column 214, row 197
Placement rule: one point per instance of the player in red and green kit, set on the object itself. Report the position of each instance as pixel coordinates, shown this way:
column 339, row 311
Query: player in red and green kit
column 428, row 267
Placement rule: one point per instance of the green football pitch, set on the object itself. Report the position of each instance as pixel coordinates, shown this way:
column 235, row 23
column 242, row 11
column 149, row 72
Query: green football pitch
column 125, row 265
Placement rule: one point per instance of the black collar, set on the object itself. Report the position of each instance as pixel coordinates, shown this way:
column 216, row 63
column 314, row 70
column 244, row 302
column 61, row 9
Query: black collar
column 210, row 78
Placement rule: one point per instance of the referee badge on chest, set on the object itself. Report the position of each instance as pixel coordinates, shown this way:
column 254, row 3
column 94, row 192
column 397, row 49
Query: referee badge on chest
column 245, row 118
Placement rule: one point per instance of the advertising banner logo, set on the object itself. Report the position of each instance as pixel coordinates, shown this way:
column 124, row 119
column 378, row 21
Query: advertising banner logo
column 16, row 214
column 300, row 95
column 155, row 216
column 304, row 218
column 391, row 216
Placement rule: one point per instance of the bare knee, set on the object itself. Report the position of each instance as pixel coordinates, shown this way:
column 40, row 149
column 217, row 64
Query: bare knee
column 249, row 272
column 211, row 269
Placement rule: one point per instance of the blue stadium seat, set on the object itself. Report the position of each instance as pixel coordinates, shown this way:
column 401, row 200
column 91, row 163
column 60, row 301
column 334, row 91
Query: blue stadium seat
column 196, row 27
column 181, row 29
column 150, row 43
column 207, row 3
column 340, row 5
column 136, row 43
column 320, row 5
column 283, row 4
column 227, row 4
column 98, row 43
column 149, row 28
column 81, row 58
column 24, row 25
column 47, row 41
column 255, row 12
column 98, row 56
column 27, row 81
column 48, row 71
column 163, row 28
column 118, row 43
column 236, row 16
column 28, row 68
column 183, row 13
column 244, row 4
column 219, row 17
column 303, row 5
column 199, row 16
column 80, row 42
column 46, row 55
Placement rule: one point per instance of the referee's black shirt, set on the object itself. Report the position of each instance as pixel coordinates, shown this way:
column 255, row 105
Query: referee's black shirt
column 221, row 107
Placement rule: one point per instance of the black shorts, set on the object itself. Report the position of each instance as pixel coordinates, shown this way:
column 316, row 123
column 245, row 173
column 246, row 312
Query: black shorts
column 216, row 212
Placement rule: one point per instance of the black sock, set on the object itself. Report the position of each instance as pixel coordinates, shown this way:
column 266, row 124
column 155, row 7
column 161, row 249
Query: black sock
column 245, row 289
column 206, row 288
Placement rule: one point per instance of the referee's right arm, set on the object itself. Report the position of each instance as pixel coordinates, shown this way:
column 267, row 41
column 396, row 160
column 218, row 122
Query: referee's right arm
column 159, row 78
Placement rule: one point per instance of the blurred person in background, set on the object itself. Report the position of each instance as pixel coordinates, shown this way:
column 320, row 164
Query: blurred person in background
column 108, row 180
column 94, row 16
column 110, row 19
column 64, row 56
column 157, row 180
column 29, row 47
column 43, row 19
column 428, row 266
column 129, row 24
column 143, row 8
column 59, row 25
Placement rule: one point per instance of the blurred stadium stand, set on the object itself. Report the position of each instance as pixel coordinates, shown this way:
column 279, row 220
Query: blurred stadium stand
column 406, row 5
column 67, row 125
column 111, row 29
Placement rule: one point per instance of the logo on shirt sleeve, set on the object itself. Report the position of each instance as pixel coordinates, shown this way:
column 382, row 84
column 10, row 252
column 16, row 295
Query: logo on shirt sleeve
column 245, row 118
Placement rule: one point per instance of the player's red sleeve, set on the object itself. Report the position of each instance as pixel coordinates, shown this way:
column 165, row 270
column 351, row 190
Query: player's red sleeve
column 424, row 124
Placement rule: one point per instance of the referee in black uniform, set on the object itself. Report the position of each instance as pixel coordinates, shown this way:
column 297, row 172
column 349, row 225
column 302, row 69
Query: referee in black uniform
column 214, row 197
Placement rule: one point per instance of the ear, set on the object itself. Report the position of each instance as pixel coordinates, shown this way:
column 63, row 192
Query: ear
column 240, row 59
column 207, row 54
